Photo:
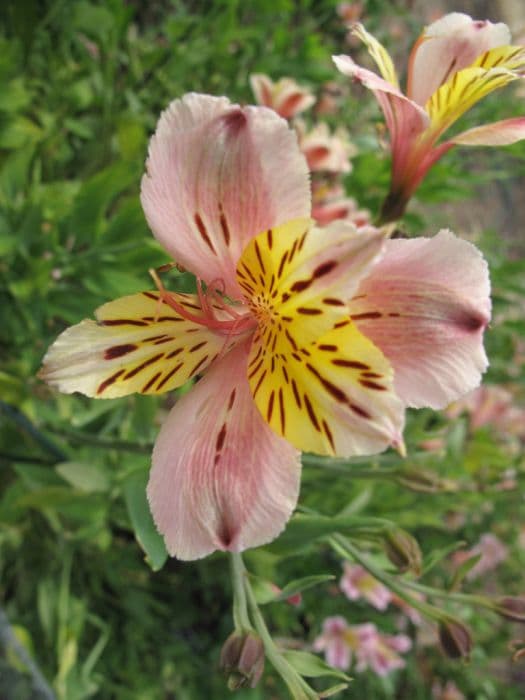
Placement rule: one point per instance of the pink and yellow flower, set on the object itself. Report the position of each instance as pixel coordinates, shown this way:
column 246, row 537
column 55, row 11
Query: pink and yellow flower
column 357, row 583
column 329, row 203
column 455, row 62
column 492, row 553
column 372, row 650
column 308, row 339
column 284, row 96
column 324, row 151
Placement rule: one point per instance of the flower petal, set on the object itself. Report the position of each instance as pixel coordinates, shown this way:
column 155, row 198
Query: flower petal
column 285, row 96
column 426, row 305
column 500, row 133
column 221, row 479
column 447, row 46
column 312, row 374
column 217, row 175
column 302, row 276
column 466, row 88
column 331, row 397
column 137, row 344
column 380, row 55
column 405, row 119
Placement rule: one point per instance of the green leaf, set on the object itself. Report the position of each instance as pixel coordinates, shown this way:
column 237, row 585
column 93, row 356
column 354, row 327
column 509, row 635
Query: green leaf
column 333, row 690
column 437, row 555
column 462, row 571
column 95, row 196
column 303, row 530
column 140, row 516
column 267, row 592
column 85, row 477
column 311, row 666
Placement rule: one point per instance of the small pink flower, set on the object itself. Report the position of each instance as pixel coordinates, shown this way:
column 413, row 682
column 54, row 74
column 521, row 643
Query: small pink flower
column 284, row 96
column 357, row 583
column 411, row 613
column 330, row 204
column 454, row 63
column 337, row 642
column 380, row 652
column 494, row 406
column 492, row 551
column 371, row 649
column 324, row 151
column 308, row 339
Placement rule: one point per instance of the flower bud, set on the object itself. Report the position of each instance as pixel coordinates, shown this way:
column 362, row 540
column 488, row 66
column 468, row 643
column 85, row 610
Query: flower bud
column 403, row 551
column 455, row 639
column 511, row 608
column 423, row 480
column 242, row 659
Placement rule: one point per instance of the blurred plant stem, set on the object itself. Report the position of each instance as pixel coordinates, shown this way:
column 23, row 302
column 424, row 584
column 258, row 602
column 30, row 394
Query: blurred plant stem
column 348, row 550
column 26, row 426
column 297, row 686
column 10, row 642
column 105, row 443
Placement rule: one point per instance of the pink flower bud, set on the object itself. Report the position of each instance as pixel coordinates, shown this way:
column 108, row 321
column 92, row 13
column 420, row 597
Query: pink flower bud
column 455, row 639
column 511, row 608
column 403, row 551
column 242, row 659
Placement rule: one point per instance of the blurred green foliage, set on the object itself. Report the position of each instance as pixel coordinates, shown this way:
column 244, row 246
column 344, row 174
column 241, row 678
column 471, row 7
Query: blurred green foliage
column 81, row 86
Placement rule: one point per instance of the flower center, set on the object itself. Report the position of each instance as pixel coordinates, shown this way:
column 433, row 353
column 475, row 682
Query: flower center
column 216, row 312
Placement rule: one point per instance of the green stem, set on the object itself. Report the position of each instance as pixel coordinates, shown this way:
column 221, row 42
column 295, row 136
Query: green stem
column 241, row 619
column 346, row 549
column 26, row 426
column 299, row 689
column 482, row 601
column 105, row 443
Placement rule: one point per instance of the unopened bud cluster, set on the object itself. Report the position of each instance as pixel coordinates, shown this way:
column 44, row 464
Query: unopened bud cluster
column 242, row 660
column 455, row 638
column 403, row 551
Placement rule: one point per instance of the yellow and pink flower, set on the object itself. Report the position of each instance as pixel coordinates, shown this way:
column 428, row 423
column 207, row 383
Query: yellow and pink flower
column 307, row 339
column 455, row 63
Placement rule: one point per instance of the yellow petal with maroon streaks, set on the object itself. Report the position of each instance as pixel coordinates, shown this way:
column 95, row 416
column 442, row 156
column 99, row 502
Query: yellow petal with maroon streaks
column 297, row 279
column 334, row 396
column 463, row 91
column 137, row 345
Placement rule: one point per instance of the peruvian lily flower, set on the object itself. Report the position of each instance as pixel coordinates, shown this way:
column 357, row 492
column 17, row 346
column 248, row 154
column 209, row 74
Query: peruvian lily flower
column 297, row 330
column 342, row 642
column 324, row 151
column 284, row 96
column 492, row 553
column 329, row 203
column 357, row 583
column 454, row 64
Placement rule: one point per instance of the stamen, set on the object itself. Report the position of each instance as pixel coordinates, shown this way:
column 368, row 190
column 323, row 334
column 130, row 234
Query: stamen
column 239, row 323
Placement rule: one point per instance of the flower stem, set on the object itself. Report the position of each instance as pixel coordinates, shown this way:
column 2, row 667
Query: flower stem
column 345, row 548
column 298, row 688
column 241, row 618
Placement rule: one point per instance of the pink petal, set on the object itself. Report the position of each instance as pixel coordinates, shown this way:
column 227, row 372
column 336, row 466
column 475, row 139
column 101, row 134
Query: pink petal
column 262, row 88
column 501, row 133
column 335, row 626
column 405, row 119
column 285, row 96
column 221, row 479
column 338, row 654
column 426, row 305
column 217, row 175
column 447, row 46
